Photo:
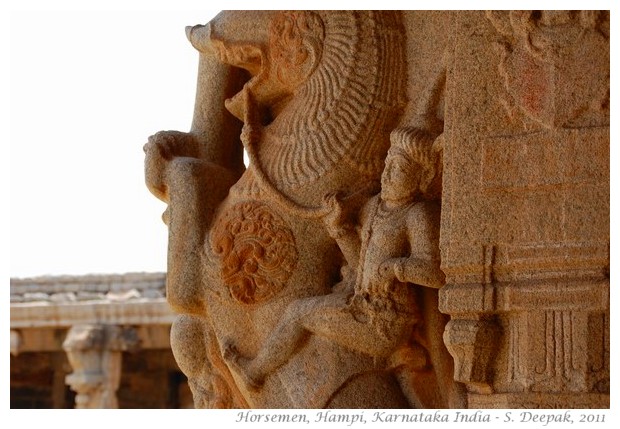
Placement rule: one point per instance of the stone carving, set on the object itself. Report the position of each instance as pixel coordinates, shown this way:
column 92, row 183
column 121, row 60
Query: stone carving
column 211, row 384
column 257, row 251
column 374, row 309
column 518, row 246
column 471, row 342
column 544, row 67
column 94, row 352
column 314, row 277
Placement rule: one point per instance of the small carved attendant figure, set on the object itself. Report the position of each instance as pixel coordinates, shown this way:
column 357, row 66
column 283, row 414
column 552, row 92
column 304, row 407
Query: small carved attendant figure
column 394, row 241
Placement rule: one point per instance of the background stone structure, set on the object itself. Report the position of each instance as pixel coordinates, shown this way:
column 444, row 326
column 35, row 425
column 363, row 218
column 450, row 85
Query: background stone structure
column 304, row 281
column 105, row 337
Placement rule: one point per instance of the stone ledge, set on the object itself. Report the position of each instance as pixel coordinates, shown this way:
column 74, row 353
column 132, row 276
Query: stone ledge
column 582, row 295
column 135, row 312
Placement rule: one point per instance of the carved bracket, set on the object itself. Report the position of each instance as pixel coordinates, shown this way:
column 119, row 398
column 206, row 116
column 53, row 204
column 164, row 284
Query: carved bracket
column 472, row 343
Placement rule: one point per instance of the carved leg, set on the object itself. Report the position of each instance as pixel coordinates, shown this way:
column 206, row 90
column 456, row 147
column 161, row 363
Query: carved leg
column 197, row 353
column 281, row 344
column 330, row 316
column 194, row 196
column 253, row 378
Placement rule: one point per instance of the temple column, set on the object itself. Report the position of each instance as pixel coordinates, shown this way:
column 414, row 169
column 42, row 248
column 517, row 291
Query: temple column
column 94, row 352
column 16, row 342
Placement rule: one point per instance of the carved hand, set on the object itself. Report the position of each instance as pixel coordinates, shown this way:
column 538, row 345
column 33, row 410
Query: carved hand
column 389, row 268
column 162, row 148
column 335, row 216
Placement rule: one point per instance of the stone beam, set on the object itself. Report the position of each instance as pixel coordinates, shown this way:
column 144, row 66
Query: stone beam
column 136, row 312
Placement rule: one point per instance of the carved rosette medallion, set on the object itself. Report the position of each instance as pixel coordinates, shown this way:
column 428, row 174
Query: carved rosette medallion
column 257, row 251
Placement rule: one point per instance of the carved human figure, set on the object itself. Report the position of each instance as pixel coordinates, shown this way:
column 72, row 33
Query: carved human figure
column 387, row 298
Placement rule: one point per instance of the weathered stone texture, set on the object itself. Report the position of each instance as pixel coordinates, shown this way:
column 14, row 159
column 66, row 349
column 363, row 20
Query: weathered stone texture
column 424, row 220
column 525, row 214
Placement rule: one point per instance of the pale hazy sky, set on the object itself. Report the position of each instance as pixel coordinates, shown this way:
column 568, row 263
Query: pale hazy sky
column 87, row 89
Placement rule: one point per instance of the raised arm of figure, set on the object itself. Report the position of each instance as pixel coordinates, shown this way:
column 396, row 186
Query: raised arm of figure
column 342, row 228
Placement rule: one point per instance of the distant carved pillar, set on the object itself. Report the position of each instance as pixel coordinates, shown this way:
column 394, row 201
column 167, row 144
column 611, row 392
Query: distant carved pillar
column 94, row 352
column 16, row 341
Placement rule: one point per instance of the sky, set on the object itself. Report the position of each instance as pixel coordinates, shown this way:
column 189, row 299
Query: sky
column 87, row 89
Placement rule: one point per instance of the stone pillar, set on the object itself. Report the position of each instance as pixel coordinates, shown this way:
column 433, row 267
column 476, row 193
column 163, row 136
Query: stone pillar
column 525, row 210
column 94, row 352
column 16, row 342
column 60, row 368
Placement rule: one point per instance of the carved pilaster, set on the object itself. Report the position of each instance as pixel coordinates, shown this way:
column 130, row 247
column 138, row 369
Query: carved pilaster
column 548, row 339
column 94, row 352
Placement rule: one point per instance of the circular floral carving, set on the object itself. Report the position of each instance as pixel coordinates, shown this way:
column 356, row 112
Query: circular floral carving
column 296, row 42
column 257, row 251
